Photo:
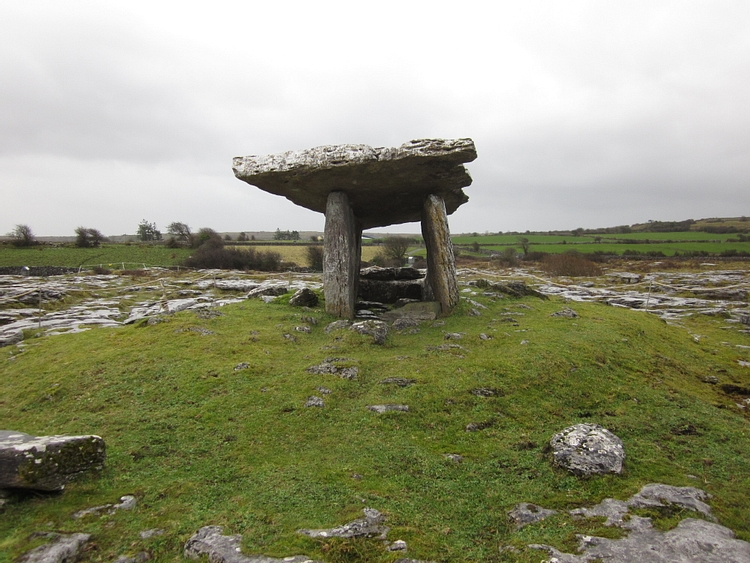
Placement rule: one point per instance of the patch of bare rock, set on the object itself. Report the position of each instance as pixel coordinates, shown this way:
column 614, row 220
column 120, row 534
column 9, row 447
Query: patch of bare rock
column 693, row 540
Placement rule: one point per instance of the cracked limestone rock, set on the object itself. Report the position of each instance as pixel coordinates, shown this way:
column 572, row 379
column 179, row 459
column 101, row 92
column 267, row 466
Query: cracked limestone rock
column 369, row 526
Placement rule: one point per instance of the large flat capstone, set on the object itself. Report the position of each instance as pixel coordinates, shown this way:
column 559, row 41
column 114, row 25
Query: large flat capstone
column 385, row 186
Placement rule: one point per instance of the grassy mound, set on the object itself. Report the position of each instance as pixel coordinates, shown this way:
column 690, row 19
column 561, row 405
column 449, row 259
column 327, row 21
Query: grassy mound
column 199, row 442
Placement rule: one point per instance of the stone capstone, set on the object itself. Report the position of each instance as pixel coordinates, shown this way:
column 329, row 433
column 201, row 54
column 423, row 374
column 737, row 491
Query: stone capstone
column 210, row 542
column 588, row 449
column 63, row 548
column 384, row 186
column 46, row 463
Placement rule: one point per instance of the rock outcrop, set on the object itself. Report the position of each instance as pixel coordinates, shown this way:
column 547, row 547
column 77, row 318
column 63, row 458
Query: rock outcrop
column 46, row 463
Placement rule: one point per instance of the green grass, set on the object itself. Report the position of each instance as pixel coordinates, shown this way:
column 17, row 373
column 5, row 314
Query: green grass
column 112, row 256
column 200, row 444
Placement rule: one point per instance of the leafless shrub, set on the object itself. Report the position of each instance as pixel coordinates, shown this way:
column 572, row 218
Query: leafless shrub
column 570, row 265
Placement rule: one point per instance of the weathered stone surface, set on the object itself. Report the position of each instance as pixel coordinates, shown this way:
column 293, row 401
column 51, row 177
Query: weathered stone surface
column 382, row 409
column 588, row 449
column 692, row 541
column 526, row 513
column 369, row 526
column 46, row 463
column 420, row 311
column 390, row 291
column 127, row 502
column 377, row 329
column 441, row 283
column 267, row 290
column 10, row 337
column 336, row 366
column 390, row 274
column 314, row 401
column 304, row 298
column 341, row 256
column 63, row 548
column 209, row 541
column 385, row 186
column 566, row 312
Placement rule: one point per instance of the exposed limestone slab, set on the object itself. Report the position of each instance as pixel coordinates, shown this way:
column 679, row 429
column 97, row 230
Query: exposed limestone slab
column 386, row 186
column 46, row 463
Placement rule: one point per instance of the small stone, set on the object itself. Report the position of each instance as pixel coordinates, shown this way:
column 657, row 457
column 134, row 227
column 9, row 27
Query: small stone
column 241, row 366
column 314, row 402
column 568, row 313
column 305, row 329
column 337, row 325
column 455, row 458
column 324, row 390
column 483, row 336
column 380, row 409
column 400, row 381
column 526, row 513
column 453, row 335
column 146, row 534
column 398, row 545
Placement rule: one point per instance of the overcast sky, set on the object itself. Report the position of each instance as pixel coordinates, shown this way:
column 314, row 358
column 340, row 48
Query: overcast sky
column 584, row 113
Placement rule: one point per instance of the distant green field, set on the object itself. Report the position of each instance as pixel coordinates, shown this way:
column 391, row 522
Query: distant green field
column 668, row 249
column 108, row 256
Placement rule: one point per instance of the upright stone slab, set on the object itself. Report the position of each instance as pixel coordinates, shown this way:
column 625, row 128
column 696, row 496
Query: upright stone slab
column 441, row 263
column 341, row 256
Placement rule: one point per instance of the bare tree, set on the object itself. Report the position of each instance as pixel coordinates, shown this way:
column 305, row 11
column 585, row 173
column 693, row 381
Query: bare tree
column 23, row 236
column 524, row 242
column 181, row 233
column 395, row 248
column 88, row 238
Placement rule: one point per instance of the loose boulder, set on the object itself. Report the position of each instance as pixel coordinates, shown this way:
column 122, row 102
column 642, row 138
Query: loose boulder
column 46, row 463
column 588, row 449
column 304, row 298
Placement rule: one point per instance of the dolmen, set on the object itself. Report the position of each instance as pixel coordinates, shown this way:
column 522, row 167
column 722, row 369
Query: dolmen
column 360, row 187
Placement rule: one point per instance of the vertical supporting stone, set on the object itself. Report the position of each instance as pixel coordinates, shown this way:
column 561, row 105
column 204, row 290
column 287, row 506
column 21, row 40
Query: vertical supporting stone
column 341, row 256
column 441, row 263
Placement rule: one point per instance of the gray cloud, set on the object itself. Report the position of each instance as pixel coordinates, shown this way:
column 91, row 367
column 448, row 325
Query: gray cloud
column 584, row 113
